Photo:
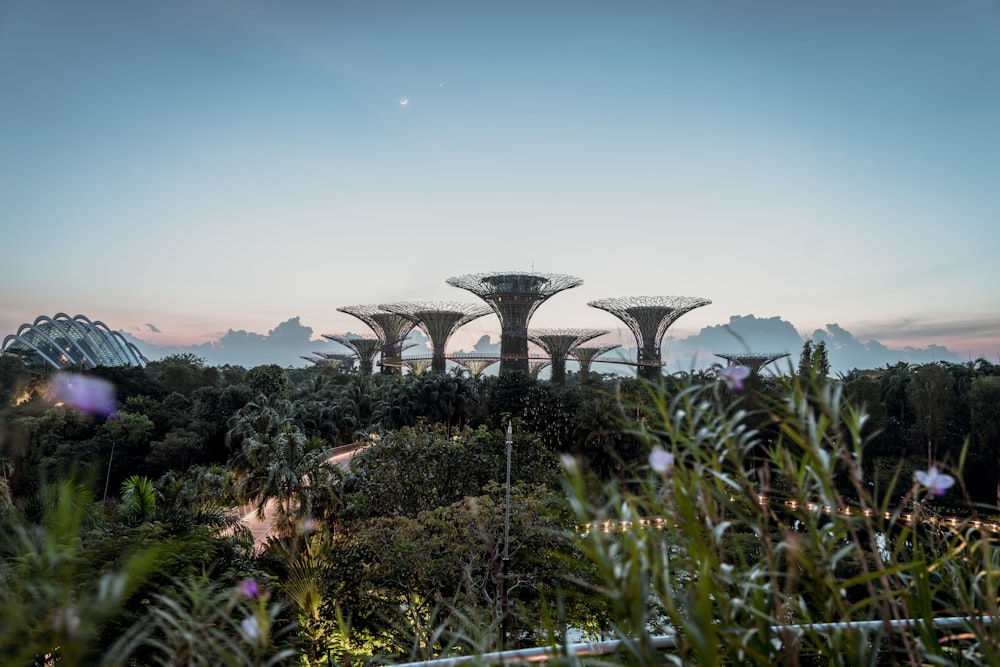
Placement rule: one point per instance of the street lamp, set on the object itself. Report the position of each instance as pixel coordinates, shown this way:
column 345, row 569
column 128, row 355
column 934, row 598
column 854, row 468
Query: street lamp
column 505, row 563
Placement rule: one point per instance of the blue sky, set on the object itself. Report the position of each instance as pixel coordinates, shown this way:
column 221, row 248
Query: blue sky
column 229, row 164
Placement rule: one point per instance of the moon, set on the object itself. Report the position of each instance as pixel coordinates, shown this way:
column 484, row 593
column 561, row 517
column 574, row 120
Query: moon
column 403, row 101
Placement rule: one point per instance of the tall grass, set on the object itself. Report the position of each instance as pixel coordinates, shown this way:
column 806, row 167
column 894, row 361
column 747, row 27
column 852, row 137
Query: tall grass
column 764, row 526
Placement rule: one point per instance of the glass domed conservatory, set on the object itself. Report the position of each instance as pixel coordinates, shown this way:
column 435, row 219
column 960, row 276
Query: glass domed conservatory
column 73, row 342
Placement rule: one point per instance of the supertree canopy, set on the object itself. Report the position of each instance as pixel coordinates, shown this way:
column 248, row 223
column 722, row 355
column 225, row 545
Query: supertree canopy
column 417, row 366
column 474, row 363
column 391, row 328
column 558, row 343
column 586, row 355
column 439, row 320
column 331, row 360
column 514, row 297
column 649, row 317
column 365, row 348
column 752, row 360
column 535, row 366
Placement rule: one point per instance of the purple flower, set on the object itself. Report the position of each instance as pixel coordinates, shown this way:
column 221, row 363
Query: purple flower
column 248, row 588
column 734, row 376
column 660, row 460
column 91, row 395
column 936, row 481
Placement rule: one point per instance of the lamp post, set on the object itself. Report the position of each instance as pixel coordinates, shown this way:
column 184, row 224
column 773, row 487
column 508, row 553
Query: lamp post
column 107, row 478
column 505, row 563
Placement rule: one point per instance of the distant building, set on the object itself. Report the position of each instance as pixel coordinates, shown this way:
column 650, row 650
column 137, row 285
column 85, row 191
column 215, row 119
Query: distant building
column 62, row 341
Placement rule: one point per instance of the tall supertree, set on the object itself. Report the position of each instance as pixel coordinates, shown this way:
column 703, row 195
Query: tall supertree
column 752, row 360
column 649, row 317
column 391, row 328
column 438, row 320
column 586, row 355
column 365, row 348
column 514, row 297
column 560, row 342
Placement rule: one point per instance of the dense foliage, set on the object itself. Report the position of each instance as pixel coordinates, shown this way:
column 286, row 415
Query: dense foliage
column 122, row 540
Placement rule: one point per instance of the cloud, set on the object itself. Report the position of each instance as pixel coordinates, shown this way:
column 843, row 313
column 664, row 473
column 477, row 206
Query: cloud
column 916, row 329
column 748, row 333
column 285, row 345
column 152, row 328
column 290, row 341
column 847, row 352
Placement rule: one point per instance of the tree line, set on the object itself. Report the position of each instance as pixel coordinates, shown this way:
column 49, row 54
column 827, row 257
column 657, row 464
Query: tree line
column 401, row 553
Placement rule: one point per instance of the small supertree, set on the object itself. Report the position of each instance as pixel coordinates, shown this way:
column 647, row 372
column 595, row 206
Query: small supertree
column 514, row 296
column 332, row 360
column 752, row 360
column 560, row 342
column 535, row 366
column 474, row 363
column 438, row 320
column 364, row 348
column 391, row 328
column 586, row 356
column 649, row 317
column 417, row 366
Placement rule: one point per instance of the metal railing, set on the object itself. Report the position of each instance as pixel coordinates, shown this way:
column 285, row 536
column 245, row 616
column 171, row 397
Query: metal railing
column 664, row 642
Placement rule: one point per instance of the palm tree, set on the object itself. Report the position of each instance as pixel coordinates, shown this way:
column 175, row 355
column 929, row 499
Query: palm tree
column 138, row 500
column 281, row 466
column 359, row 395
column 598, row 433
column 257, row 418
column 201, row 499
column 395, row 408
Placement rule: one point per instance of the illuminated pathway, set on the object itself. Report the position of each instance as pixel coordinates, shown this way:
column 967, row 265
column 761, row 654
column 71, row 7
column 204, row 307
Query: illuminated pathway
column 659, row 523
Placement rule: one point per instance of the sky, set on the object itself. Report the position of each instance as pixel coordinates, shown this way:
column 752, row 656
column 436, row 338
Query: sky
column 183, row 170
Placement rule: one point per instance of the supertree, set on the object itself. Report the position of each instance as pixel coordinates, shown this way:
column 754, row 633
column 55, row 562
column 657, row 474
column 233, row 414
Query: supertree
column 474, row 363
column 417, row 366
column 399, row 362
column 332, row 361
column 586, row 355
column 514, row 297
column 391, row 328
column 365, row 348
column 560, row 342
column 439, row 320
column 535, row 366
column 752, row 360
column 649, row 317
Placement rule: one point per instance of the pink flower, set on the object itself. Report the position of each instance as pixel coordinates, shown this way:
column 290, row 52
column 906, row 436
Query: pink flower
column 660, row 460
column 85, row 393
column 249, row 589
column 734, row 376
column 936, row 481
